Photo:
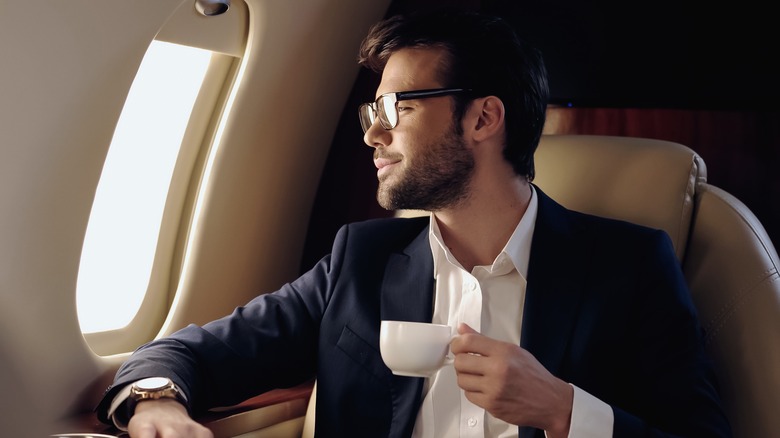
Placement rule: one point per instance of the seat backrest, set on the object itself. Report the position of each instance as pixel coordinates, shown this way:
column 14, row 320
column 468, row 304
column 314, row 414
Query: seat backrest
column 649, row 182
column 732, row 270
column 728, row 259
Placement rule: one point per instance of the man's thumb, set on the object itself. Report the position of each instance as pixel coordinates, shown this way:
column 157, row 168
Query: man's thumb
column 464, row 328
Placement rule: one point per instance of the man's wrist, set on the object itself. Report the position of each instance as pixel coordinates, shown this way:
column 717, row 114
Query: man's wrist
column 123, row 405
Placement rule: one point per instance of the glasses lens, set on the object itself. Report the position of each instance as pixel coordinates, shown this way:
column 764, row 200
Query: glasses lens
column 388, row 113
column 367, row 116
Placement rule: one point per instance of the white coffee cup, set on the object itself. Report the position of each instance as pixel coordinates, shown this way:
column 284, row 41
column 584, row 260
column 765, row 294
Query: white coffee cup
column 414, row 349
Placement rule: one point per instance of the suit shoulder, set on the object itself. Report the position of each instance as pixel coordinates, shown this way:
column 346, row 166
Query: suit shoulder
column 617, row 233
column 559, row 218
column 608, row 224
column 384, row 232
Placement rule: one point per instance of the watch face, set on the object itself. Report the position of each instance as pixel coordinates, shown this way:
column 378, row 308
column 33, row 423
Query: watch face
column 152, row 383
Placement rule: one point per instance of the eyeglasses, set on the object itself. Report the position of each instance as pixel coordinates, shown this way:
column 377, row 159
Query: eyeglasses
column 386, row 106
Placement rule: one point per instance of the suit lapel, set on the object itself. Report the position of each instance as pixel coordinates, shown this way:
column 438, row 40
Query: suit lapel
column 407, row 295
column 554, row 291
column 407, row 289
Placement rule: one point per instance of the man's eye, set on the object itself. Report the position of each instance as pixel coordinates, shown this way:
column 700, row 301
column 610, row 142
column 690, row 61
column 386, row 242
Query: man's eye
column 403, row 108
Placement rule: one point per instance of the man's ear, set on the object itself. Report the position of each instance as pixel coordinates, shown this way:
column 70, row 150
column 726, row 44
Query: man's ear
column 486, row 117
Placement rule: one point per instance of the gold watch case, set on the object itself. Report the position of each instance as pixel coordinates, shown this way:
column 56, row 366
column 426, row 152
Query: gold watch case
column 153, row 388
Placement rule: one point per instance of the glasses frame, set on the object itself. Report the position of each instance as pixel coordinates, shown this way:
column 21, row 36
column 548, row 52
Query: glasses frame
column 369, row 111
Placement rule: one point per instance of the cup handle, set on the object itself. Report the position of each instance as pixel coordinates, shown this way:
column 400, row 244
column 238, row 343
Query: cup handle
column 449, row 359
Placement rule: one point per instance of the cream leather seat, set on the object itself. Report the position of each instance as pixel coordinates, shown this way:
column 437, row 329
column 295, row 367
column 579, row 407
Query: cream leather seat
column 728, row 259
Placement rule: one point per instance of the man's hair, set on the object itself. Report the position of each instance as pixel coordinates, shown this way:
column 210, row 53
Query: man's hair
column 485, row 55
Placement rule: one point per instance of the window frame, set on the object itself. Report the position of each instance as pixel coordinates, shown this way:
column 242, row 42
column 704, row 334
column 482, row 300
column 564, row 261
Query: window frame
column 226, row 36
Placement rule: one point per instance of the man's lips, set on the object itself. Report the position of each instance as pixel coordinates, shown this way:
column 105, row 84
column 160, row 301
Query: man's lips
column 383, row 165
column 382, row 162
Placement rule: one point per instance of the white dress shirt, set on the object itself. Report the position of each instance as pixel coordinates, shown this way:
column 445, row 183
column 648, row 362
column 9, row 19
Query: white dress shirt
column 490, row 299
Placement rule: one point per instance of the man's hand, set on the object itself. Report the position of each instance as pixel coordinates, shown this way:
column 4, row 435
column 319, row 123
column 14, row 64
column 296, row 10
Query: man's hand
column 164, row 418
column 510, row 383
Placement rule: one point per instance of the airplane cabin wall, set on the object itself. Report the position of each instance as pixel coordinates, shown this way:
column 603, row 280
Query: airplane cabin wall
column 66, row 69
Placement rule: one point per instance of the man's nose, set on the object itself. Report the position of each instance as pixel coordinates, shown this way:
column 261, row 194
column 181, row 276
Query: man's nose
column 376, row 136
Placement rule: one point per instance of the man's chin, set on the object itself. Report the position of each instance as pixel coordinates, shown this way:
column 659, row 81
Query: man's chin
column 383, row 198
column 386, row 200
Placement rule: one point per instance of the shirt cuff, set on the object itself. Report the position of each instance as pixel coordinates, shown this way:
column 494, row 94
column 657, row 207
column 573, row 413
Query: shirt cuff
column 590, row 417
column 117, row 412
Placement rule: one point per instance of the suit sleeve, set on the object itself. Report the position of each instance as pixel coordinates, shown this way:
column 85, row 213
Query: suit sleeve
column 233, row 358
column 675, row 382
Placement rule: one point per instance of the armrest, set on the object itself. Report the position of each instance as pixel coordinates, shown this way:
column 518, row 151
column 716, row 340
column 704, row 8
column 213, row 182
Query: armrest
column 269, row 408
column 278, row 413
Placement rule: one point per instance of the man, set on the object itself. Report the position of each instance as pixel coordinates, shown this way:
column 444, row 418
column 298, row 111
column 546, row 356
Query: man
column 569, row 324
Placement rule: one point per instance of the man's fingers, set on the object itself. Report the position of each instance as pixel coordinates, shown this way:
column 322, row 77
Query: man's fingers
column 470, row 382
column 464, row 328
column 470, row 341
column 466, row 362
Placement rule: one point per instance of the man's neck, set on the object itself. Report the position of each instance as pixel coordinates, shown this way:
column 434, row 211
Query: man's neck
column 477, row 231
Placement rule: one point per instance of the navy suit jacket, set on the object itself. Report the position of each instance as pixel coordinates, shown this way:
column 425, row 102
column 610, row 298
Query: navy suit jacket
column 607, row 309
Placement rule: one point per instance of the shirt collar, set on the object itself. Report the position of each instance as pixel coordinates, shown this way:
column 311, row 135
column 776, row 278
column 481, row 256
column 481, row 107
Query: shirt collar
column 518, row 248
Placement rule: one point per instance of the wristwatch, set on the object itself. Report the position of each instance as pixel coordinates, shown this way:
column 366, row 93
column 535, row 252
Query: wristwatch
column 153, row 388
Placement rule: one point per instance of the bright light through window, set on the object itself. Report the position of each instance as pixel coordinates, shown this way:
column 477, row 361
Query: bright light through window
column 123, row 229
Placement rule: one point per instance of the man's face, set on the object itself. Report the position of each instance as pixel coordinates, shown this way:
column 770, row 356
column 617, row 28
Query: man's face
column 422, row 163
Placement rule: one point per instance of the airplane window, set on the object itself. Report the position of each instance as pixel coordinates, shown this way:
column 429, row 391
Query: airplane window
column 124, row 224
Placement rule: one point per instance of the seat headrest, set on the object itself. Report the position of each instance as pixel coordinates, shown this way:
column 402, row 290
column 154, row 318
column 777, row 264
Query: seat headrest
column 645, row 181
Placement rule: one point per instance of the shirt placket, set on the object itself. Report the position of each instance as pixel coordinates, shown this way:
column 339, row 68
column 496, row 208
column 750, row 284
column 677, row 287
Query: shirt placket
column 472, row 417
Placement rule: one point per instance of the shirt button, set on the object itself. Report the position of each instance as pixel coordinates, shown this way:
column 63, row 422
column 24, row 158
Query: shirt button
column 472, row 422
column 472, row 286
